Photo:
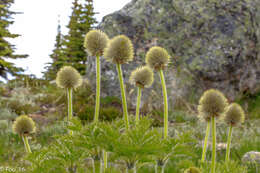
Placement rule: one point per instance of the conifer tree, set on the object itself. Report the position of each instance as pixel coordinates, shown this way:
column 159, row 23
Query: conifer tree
column 57, row 56
column 69, row 49
column 6, row 48
column 81, row 21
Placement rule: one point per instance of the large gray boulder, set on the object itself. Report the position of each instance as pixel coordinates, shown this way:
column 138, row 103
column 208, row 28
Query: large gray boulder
column 213, row 44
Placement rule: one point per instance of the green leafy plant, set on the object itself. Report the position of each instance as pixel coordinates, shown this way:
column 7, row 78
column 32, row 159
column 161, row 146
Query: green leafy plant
column 88, row 138
column 141, row 77
column 60, row 156
column 178, row 145
column 120, row 51
column 233, row 116
column 95, row 43
column 157, row 58
column 212, row 105
column 23, row 126
column 86, row 114
column 133, row 146
column 69, row 78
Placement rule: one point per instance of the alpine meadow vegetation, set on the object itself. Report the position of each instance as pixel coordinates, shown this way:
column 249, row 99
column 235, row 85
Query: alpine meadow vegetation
column 133, row 143
column 172, row 92
column 107, row 134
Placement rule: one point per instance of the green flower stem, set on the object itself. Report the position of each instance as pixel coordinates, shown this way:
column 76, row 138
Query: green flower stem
column 122, row 87
column 105, row 159
column 93, row 165
column 26, row 144
column 97, row 89
column 69, row 93
column 101, row 168
column 165, row 104
column 159, row 169
column 97, row 165
column 138, row 101
column 213, row 124
column 228, row 143
column 205, row 142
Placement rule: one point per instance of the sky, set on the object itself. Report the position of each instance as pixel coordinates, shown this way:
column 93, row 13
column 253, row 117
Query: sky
column 37, row 26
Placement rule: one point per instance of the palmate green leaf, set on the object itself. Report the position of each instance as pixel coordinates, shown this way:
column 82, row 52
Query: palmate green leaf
column 43, row 162
column 89, row 140
column 133, row 145
column 110, row 133
column 75, row 125
column 178, row 145
column 66, row 151
column 58, row 156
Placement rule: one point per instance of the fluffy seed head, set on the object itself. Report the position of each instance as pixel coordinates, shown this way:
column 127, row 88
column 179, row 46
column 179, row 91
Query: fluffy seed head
column 157, row 58
column 142, row 77
column 234, row 114
column 192, row 170
column 212, row 103
column 119, row 50
column 95, row 42
column 68, row 77
column 23, row 125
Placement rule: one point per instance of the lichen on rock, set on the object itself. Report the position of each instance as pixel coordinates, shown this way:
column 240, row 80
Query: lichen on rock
column 214, row 44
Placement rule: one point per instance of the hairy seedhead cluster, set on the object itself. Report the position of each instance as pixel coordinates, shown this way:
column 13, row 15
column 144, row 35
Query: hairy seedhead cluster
column 212, row 104
column 234, row 115
column 157, row 58
column 68, row 77
column 96, row 42
column 119, row 50
column 142, row 77
column 24, row 125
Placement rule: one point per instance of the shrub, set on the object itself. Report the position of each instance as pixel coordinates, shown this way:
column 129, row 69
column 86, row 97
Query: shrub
column 7, row 114
column 106, row 114
column 110, row 101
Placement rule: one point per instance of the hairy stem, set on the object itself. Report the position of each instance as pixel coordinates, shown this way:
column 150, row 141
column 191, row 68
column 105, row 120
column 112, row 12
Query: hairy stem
column 101, row 168
column 165, row 104
column 69, row 93
column 213, row 124
column 206, row 142
column 138, row 101
column 97, row 89
column 122, row 87
column 93, row 165
column 105, row 159
column 228, row 143
column 26, row 144
column 97, row 165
